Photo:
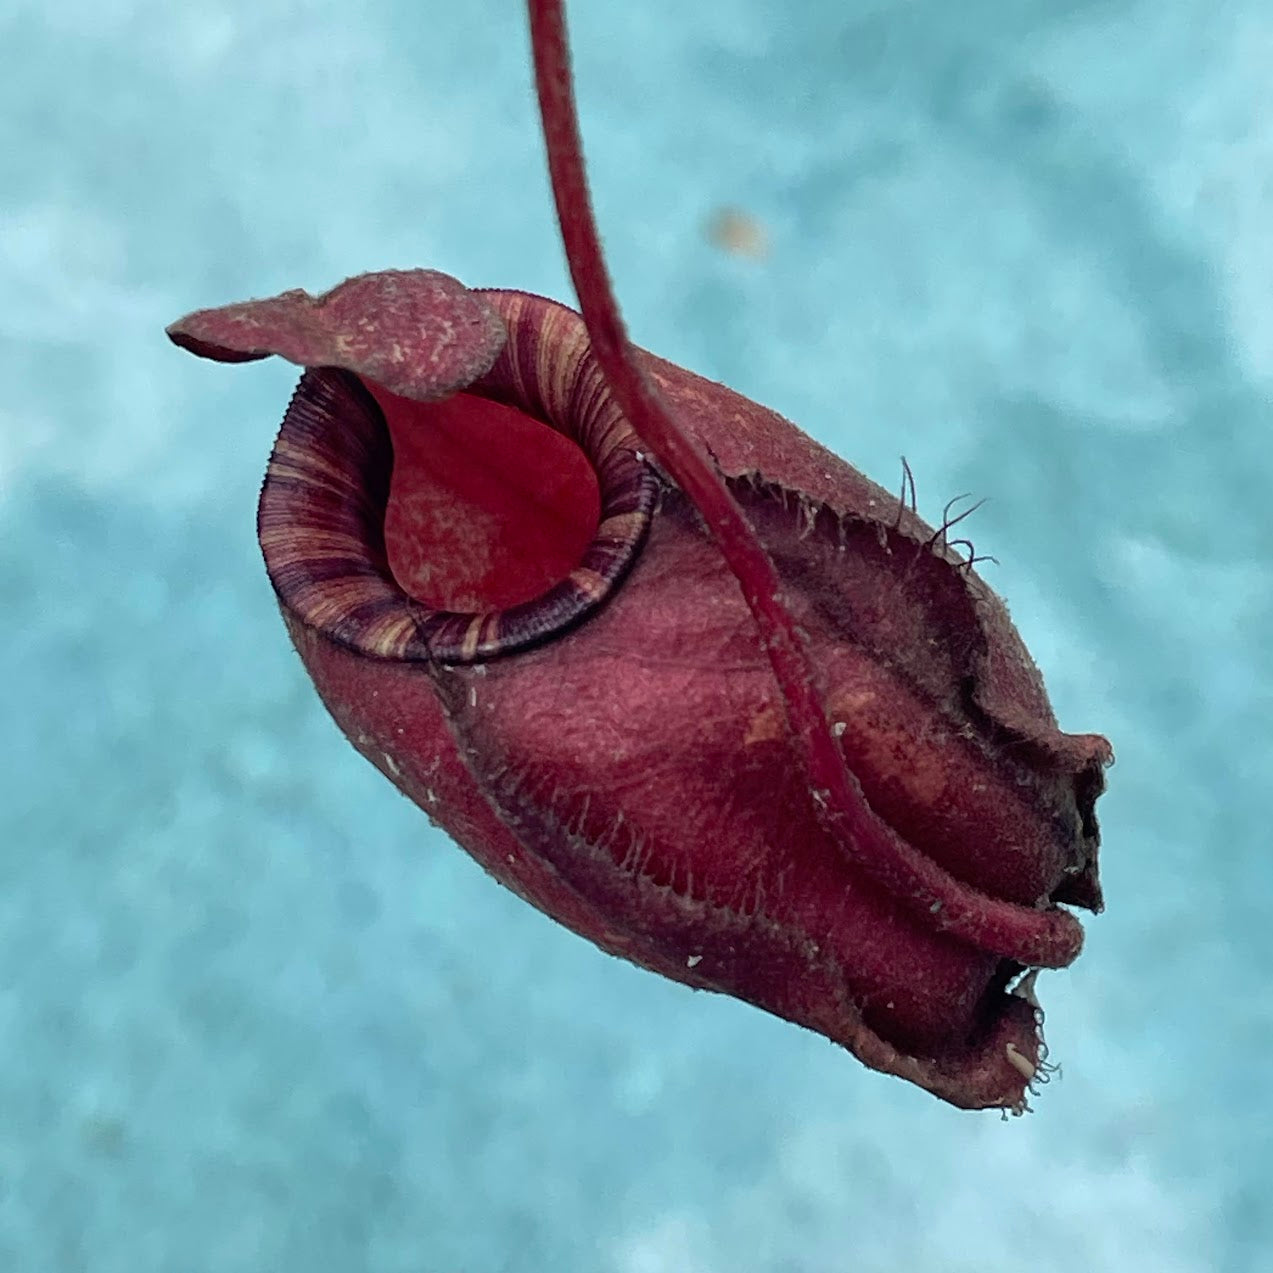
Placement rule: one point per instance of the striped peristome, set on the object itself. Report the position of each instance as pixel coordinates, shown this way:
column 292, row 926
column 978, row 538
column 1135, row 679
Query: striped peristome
column 321, row 513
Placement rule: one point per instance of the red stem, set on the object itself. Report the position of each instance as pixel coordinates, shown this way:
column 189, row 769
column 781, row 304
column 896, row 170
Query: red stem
column 1042, row 939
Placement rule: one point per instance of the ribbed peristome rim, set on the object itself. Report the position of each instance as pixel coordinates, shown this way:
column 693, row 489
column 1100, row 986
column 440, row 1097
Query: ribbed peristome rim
column 321, row 513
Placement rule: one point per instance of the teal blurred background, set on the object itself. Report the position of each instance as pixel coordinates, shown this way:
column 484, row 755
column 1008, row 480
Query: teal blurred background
column 255, row 1014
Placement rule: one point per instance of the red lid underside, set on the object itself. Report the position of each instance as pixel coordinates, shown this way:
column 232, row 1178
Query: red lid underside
column 488, row 507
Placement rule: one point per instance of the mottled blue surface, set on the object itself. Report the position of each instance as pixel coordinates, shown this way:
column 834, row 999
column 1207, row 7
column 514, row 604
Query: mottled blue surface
column 254, row 1013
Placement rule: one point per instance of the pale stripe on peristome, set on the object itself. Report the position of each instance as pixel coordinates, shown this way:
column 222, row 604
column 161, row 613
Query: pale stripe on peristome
column 592, row 585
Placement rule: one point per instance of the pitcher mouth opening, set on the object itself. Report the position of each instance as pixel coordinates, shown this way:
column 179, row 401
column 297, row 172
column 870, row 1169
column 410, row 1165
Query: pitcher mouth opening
column 488, row 509
column 464, row 528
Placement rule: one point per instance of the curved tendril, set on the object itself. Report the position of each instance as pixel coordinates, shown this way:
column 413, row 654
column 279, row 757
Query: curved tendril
column 1048, row 938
